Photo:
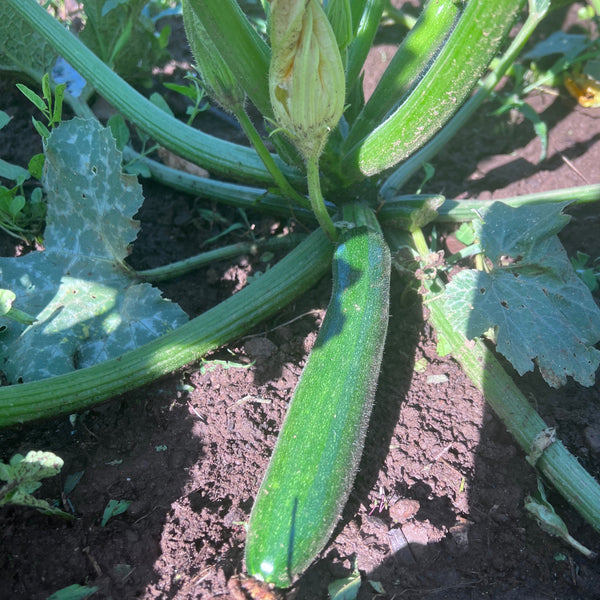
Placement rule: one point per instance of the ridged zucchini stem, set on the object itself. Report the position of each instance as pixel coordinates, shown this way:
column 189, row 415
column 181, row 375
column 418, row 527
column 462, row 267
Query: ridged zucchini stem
column 556, row 464
column 439, row 94
column 216, row 155
column 486, row 373
column 398, row 212
column 410, row 62
column 64, row 394
column 415, row 162
column 232, row 194
column 365, row 34
column 181, row 267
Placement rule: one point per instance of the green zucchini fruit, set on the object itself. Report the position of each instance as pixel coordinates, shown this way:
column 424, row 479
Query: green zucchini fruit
column 318, row 450
column 475, row 40
column 408, row 66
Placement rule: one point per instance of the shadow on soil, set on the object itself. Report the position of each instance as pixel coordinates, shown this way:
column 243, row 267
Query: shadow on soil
column 113, row 447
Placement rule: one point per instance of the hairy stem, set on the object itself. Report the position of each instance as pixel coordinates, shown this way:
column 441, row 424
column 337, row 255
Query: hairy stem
column 486, row 373
column 398, row 211
column 187, row 265
column 556, row 464
column 316, row 199
column 401, row 175
column 280, row 180
column 232, row 194
column 214, row 154
column 78, row 390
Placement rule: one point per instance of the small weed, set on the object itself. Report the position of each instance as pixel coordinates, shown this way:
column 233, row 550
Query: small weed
column 22, row 475
column 587, row 270
column 114, row 508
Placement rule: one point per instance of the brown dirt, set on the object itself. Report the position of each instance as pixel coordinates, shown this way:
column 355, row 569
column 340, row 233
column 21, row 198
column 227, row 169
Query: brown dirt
column 437, row 509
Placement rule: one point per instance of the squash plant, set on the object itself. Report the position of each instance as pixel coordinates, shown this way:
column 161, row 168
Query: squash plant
column 341, row 164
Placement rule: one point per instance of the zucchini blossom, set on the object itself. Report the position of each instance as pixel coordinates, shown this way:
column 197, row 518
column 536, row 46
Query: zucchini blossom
column 306, row 76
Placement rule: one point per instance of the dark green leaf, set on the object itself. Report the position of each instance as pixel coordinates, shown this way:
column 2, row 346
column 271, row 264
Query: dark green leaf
column 74, row 592
column 4, row 119
column 119, row 130
column 36, row 166
column 114, row 508
column 42, row 130
column 159, row 101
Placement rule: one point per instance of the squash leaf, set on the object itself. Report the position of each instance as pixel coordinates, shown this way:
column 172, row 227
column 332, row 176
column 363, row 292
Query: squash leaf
column 540, row 310
column 21, row 48
column 88, row 304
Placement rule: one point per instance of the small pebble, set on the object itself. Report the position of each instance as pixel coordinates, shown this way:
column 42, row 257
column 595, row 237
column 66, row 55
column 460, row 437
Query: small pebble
column 259, row 347
column 404, row 509
column 592, row 437
column 437, row 379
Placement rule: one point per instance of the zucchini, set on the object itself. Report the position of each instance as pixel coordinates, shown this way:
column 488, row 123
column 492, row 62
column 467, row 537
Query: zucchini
column 475, row 40
column 318, row 450
column 408, row 66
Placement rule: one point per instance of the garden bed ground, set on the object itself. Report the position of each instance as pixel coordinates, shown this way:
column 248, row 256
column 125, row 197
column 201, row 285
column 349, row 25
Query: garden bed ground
column 437, row 510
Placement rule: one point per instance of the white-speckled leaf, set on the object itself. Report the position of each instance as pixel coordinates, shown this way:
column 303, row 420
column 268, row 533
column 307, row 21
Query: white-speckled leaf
column 21, row 48
column 539, row 307
column 88, row 307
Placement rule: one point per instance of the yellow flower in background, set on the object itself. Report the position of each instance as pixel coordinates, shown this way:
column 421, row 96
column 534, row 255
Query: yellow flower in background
column 584, row 88
column 306, row 76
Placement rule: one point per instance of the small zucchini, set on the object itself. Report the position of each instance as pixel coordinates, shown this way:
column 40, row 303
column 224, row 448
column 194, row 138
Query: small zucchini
column 318, row 450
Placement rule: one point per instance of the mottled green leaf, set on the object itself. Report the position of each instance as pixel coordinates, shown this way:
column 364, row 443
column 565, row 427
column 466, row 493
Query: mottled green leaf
column 23, row 474
column 88, row 306
column 21, row 48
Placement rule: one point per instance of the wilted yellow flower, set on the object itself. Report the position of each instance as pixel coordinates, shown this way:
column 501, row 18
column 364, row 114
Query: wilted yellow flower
column 306, row 75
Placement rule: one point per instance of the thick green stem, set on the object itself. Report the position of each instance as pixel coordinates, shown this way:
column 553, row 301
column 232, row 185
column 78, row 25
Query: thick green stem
column 398, row 212
column 316, row 198
column 64, row 394
column 280, row 180
column 557, row 464
column 486, row 373
column 365, row 33
column 410, row 62
column 218, row 156
column 399, row 16
column 439, row 94
column 232, row 194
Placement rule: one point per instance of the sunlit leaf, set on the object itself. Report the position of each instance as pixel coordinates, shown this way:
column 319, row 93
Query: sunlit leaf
column 88, row 305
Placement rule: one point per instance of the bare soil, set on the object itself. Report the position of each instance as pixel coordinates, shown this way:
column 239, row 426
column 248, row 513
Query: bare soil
column 437, row 509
